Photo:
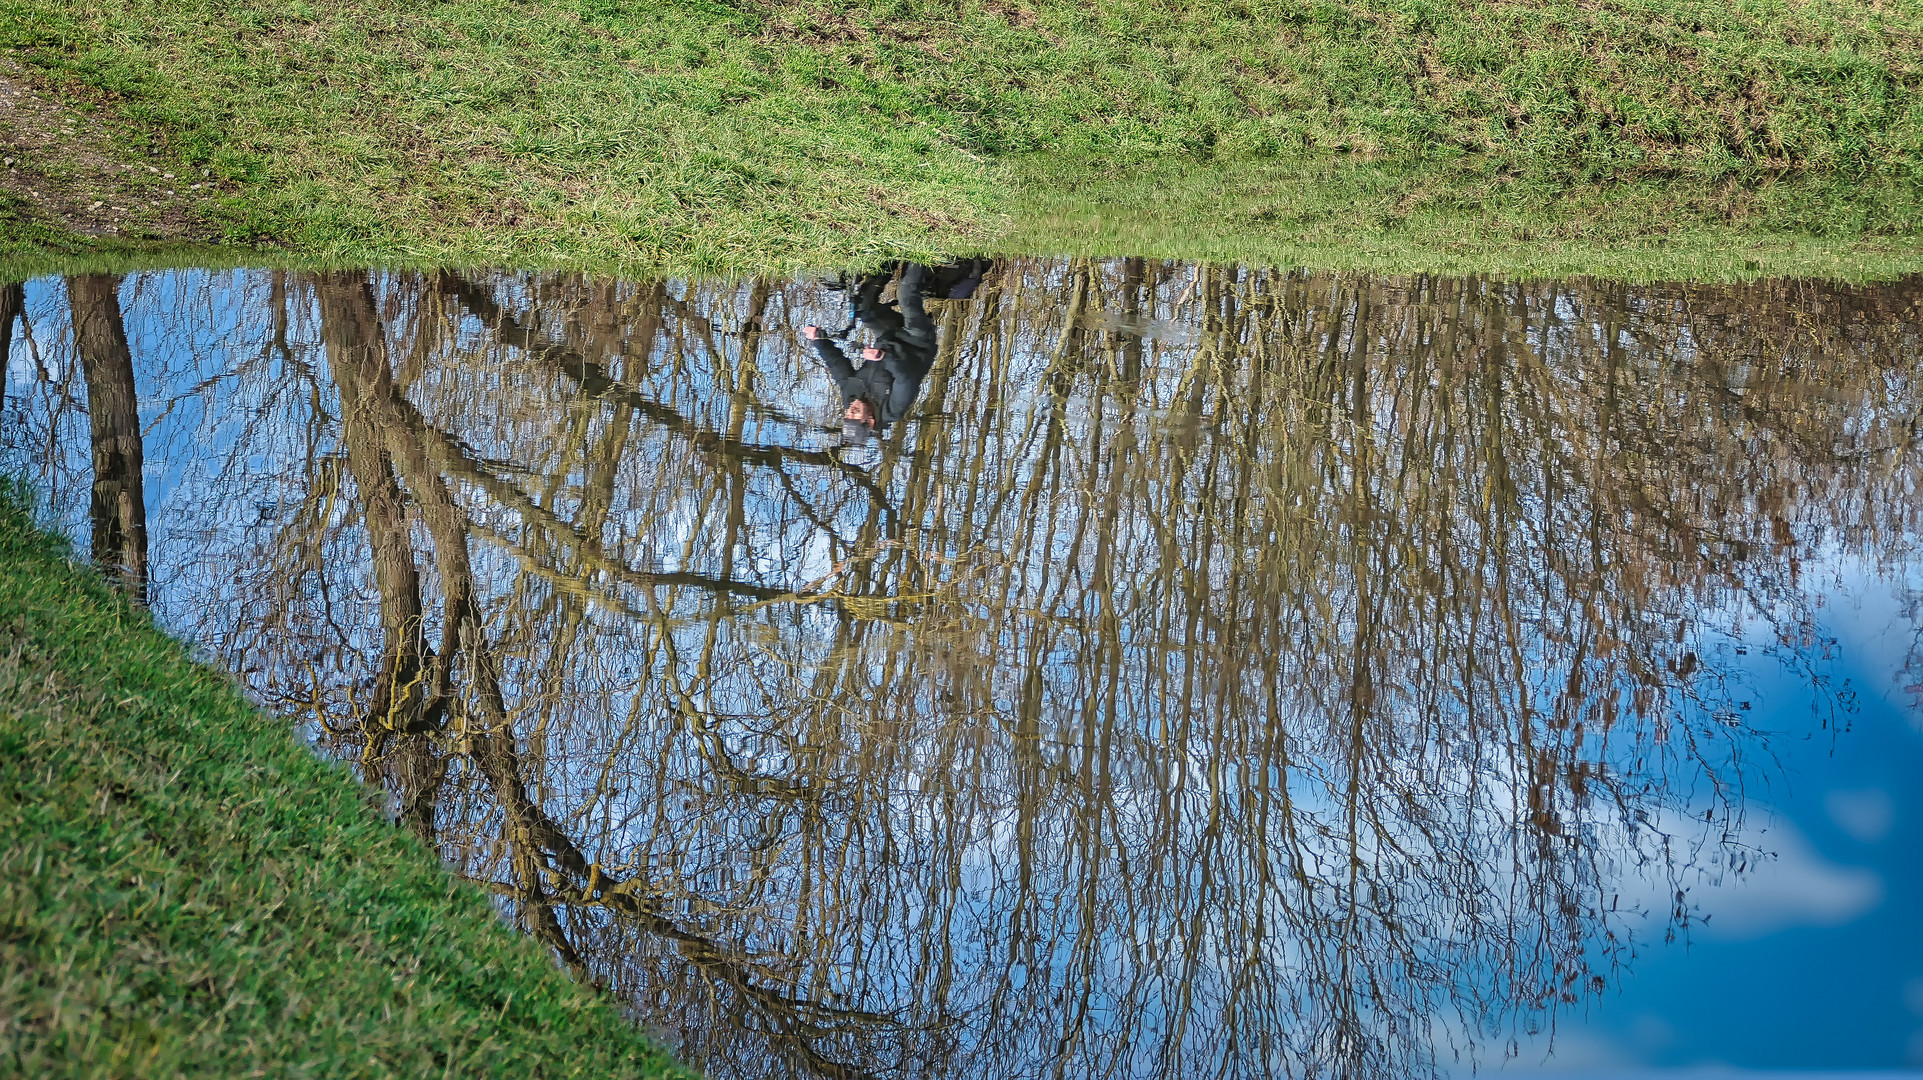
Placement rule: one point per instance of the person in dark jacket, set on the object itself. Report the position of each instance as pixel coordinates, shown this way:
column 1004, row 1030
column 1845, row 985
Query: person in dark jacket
column 881, row 389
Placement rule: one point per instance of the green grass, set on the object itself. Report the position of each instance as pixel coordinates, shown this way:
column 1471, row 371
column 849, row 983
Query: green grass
column 187, row 890
column 29, row 246
column 710, row 136
column 1440, row 219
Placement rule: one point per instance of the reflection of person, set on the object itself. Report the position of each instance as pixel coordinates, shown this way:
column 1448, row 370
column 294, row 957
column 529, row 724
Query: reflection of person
column 880, row 390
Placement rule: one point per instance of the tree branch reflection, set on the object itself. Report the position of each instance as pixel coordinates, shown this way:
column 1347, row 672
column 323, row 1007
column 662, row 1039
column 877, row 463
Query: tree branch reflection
column 1224, row 672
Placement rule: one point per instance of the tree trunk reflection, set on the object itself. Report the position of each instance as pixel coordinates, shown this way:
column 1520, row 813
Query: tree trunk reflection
column 119, row 508
column 13, row 305
column 1227, row 672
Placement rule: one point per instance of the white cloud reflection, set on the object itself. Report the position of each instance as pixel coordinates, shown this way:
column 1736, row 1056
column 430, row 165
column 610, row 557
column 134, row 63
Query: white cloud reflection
column 1865, row 814
column 1793, row 885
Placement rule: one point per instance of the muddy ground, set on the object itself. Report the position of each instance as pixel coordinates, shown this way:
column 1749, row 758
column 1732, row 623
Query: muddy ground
column 71, row 163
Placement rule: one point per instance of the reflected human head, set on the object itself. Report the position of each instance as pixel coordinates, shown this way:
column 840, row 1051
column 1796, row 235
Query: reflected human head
column 871, row 353
column 859, row 421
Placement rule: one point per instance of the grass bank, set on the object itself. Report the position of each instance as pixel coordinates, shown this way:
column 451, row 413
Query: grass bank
column 712, row 136
column 1456, row 219
column 186, row 890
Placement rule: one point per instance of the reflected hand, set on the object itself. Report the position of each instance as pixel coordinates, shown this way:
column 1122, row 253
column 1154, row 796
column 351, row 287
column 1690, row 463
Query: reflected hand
column 811, row 332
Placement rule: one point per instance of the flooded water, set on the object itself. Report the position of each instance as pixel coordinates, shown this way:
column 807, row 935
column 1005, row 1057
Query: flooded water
column 1132, row 670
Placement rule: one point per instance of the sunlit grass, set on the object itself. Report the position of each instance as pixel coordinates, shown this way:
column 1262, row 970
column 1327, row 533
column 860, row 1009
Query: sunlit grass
column 1365, row 216
column 187, row 890
column 703, row 137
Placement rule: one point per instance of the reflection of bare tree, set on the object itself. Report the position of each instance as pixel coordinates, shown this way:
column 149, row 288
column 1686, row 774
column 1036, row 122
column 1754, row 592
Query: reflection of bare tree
column 408, row 699
column 1239, row 673
column 119, row 509
column 13, row 304
column 388, row 435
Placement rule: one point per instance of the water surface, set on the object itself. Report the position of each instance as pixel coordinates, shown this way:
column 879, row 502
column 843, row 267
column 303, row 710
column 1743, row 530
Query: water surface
column 1211, row 672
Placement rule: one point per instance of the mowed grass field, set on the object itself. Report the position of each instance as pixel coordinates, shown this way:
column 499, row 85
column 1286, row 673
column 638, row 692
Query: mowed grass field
column 703, row 136
column 186, row 890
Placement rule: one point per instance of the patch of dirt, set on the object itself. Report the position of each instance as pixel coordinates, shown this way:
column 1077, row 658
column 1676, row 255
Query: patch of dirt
column 64, row 163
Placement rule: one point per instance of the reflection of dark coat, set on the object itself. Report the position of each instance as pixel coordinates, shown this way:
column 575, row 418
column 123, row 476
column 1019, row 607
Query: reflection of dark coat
column 906, row 338
column 956, row 281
